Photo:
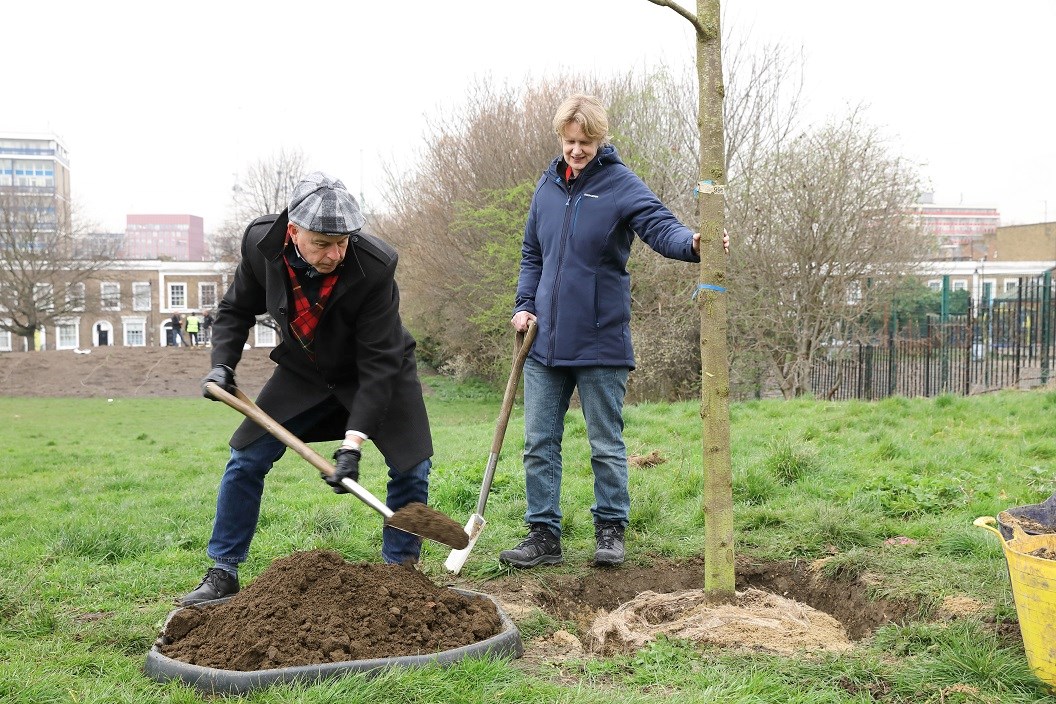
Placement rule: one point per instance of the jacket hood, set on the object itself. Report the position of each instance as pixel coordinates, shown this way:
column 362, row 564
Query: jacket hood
column 607, row 154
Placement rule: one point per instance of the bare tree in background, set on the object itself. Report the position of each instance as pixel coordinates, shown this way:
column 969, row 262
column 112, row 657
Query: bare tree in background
column 264, row 188
column 47, row 261
column 824, row 235
column 762, row 113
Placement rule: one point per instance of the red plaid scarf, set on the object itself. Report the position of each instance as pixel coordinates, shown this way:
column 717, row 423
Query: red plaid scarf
column 306, row 315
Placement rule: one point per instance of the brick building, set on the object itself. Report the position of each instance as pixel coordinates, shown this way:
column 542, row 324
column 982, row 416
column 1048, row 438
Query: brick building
column 171, row 237
column 130, row 305
column 960, row 230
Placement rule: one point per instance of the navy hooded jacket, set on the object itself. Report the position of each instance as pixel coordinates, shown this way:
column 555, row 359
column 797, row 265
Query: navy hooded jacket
column 574, row 275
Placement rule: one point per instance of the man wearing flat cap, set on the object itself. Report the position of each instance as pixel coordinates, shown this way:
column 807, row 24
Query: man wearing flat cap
column 345, row 368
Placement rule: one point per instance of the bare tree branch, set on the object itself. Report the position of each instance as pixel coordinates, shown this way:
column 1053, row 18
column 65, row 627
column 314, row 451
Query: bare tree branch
column 265, row 188
column 702, row 33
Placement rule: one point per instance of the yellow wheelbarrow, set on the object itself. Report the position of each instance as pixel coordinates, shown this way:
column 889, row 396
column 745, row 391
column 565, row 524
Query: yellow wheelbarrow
column 1032, row 570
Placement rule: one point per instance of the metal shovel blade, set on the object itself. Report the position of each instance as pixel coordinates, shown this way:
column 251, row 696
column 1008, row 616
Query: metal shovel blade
column 457, row 559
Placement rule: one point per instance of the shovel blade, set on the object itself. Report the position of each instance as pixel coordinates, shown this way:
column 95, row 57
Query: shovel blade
column 457, row 559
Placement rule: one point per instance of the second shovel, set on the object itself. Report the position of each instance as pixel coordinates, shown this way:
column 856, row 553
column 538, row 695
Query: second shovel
column 457, row 559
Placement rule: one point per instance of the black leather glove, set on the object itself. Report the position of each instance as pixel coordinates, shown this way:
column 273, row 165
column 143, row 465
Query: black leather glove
column 221, row 375
column 347, row 468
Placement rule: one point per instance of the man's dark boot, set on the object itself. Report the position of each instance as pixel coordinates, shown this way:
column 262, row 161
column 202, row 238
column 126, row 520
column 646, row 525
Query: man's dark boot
column 541, row 547
column 610, row 544
column 217, row 584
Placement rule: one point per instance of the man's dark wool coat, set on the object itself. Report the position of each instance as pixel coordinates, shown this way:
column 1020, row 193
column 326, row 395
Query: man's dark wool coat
column 364, row 358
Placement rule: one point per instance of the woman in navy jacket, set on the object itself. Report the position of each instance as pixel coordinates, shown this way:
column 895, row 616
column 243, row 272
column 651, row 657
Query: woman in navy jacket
column 587, row 208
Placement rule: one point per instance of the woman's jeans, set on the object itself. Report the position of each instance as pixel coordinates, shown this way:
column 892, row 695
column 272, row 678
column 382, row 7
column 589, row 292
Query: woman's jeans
column 242, row 485
column 547, row 391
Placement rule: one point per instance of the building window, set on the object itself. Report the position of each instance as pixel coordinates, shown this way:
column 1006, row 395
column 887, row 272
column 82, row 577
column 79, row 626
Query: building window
column 66, row 335
column 140, row 295
column 854, row 293
column 265, row 334
column 75, row 296
column 5, row 340
column 43, row 297
column 935, row 284
column 207, row 295
column 960, row 285
column 1011, row 285
column 110, row 295
column 177, row 295
column 135, row 332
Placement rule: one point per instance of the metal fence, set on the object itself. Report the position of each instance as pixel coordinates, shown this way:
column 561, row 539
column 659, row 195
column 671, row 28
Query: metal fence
column 1002, row 343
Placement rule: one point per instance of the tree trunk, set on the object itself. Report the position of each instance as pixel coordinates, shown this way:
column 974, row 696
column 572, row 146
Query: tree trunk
column 719, row 576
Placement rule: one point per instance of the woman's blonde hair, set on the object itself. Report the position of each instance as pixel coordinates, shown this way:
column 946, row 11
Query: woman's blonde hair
column 588, row 112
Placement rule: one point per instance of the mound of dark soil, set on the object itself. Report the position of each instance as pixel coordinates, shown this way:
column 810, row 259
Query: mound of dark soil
column 314, row 607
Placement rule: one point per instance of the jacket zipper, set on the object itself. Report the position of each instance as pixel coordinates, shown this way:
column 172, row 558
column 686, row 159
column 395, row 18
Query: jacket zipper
column 571, row 210
column 565, row 234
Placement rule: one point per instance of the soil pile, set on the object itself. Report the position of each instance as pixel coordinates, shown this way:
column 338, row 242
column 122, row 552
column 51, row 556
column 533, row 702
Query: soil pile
column 1045, row 553
column 429, row 523
column 314, row 607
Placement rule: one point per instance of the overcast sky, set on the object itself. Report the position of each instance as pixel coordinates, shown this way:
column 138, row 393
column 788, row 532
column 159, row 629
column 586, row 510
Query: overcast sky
column 162, row 104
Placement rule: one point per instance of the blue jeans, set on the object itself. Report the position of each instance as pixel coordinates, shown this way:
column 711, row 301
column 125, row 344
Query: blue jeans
column 242, row 486
column 547, row 391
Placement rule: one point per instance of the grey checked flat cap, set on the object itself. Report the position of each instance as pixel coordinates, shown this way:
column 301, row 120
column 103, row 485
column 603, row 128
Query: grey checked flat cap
column 322, row 204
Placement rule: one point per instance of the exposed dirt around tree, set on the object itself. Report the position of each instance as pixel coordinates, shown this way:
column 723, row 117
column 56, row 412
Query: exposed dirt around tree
column 579, row 598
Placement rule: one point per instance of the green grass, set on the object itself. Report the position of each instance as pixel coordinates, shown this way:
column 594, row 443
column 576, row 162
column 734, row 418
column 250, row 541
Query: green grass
column 107, row 506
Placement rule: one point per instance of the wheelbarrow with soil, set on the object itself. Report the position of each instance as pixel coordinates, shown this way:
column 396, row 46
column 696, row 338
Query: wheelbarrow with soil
column 1031, row 562
column 1033, row 519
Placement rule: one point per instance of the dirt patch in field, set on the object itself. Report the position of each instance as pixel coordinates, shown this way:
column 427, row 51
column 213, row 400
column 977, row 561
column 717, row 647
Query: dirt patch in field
column 123, row 372
column 575, row 603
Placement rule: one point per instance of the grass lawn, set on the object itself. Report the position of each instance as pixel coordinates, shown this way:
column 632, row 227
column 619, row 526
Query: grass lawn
column 106, row 508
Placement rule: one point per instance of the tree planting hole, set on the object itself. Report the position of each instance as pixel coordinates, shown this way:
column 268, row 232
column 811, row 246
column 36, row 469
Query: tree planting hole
column 580, row 598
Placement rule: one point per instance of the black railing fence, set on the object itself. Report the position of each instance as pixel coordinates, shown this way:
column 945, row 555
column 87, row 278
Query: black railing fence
column 1008, row 342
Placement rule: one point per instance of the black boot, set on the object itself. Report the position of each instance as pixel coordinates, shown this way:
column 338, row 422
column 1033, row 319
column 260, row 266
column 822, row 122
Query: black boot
column 610, row 544
column 217, row 584
column 541, row 547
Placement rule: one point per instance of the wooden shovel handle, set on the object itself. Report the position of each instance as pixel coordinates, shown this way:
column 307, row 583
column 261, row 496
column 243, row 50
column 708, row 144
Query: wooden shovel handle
column 520, row 353
column 241, row 403
column 523, row 346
